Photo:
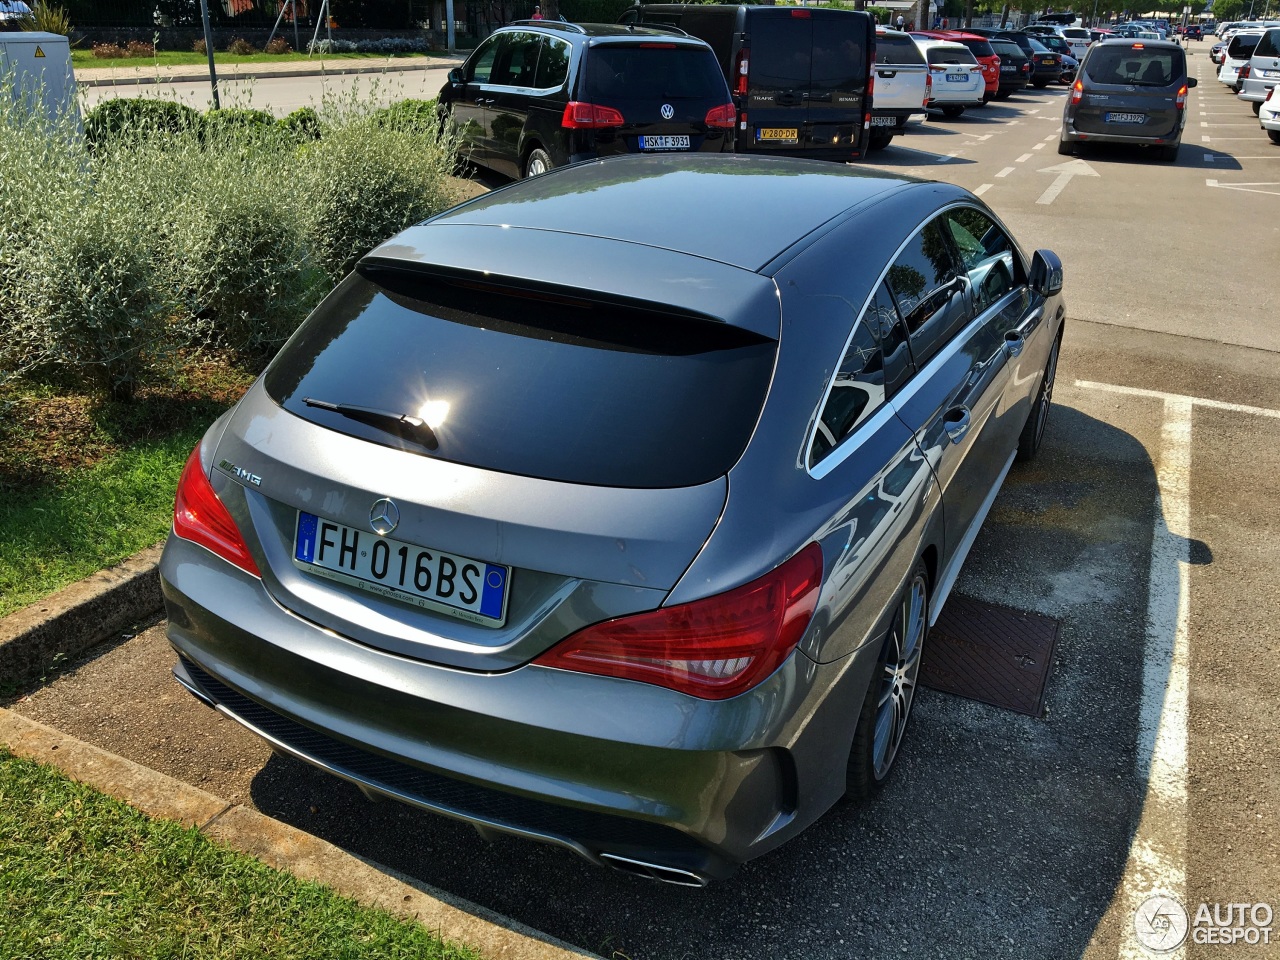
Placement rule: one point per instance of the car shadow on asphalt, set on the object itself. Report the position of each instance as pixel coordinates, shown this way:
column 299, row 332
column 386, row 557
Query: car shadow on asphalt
column 1009, row 832
column 1190, row 155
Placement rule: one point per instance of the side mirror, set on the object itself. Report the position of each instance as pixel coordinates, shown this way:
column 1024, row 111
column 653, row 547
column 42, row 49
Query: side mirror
column 455, row 75
column 1191, row 82
column 1046, row 273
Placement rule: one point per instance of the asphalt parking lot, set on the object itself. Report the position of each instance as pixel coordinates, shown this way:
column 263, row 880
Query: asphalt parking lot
column 1148, row 529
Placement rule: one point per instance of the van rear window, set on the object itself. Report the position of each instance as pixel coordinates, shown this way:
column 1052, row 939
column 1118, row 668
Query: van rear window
column 530, row 383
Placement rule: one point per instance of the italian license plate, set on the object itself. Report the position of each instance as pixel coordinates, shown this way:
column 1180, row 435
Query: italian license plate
column 884, row 121
column 1126, row 118
column 1269, row 74
column 422, row 577
column 779, row 134
column 957, row 77
column 1008, row 68
column 664, row 143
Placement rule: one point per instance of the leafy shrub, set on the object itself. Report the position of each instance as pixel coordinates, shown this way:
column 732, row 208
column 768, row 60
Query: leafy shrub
column 218, row 123
column 387, row 45
column 109, row 51
column 199, row 47
column 137, row 117
column 139, row 48
column 409, row 116
column 47, row 18
column 278, row 45
column 302, row 124
column 241, row 47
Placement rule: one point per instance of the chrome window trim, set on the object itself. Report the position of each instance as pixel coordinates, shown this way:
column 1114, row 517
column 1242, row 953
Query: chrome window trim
column 841, row 451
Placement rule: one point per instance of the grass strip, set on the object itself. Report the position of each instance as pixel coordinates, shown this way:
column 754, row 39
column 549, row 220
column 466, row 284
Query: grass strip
column 85, row 876
column 53, row 535
column 85, row 60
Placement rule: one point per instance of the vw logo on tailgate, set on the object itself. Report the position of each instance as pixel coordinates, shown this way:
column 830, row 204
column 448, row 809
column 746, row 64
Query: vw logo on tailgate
column 668, row 111
column 384, row 516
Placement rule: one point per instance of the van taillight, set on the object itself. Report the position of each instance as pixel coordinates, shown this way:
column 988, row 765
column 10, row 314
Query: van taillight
column 722, row 117
column 1077, row 92
column 801, row 14
column 1181, row 102
column 589, row 116
column 740, row 86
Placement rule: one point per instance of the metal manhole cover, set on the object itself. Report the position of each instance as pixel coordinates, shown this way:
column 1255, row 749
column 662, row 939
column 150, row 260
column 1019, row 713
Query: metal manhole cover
column 993, row 654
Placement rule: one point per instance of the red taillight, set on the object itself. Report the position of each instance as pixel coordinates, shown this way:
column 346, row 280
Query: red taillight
column 722, row 116
column 1181, row 102
column 802, row 14
column 589, row 116
column 199, row 516
column 714, row 648
column 1244, row 72
column 740, row 85
column 1077, row 91
column 928, row 89
column 658, row 46
column 1270, row 91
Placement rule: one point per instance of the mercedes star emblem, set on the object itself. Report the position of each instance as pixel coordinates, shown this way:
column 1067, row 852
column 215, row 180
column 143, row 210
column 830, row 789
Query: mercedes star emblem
column 384, row 516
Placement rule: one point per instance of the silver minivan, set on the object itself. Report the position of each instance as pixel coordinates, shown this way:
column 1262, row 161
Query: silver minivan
column 1263, row 71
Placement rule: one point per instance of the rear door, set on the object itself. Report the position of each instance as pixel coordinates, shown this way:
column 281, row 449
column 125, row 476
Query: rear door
column 1132, row 89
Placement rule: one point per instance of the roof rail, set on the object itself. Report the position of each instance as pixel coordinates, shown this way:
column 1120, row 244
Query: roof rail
column 662, row 27
column 559, row 24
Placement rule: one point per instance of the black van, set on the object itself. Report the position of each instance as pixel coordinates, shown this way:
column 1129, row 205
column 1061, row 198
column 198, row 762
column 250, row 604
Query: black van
column 800, row 76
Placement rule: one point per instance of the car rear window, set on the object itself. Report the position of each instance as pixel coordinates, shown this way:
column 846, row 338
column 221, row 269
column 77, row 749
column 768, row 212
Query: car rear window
column 1007, row 48
column 897, row 48
column 1133, row 64
column 1242, row 45
column 979, row 48
column 538, row 383
column 949, row 55
column 1269, row 45
column 653, row 71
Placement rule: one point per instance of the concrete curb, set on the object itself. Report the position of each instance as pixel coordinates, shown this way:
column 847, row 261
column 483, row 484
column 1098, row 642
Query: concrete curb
column 124, row 77
column 282, row 846
column 75, row 618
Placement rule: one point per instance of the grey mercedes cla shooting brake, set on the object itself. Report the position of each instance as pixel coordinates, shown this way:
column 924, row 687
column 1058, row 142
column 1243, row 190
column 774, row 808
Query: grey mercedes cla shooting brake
column 611, row 511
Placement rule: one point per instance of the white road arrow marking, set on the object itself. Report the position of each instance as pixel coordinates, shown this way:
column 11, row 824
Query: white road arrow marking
column 1245, row 187
column 1065, row 171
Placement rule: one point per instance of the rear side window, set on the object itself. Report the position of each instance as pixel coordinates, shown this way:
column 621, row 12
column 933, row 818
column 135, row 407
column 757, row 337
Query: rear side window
column 950, row 55
column 553, row 65
column 894, row 48
column 856, row 392
column 538, row 385
column 1269, row 45
column 653, row 72
column 1137, row 65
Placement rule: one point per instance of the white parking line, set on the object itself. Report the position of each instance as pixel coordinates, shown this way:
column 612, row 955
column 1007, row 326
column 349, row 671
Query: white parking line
column 1005, row 172
column 1050, row 138
column 983, row 189
column 1023, row 159
column 1038, row 146
column 1158, row 854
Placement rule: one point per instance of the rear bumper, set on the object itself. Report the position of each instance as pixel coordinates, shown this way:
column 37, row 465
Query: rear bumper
column 1071, row 135
column 617, row 771
column 1255, row 91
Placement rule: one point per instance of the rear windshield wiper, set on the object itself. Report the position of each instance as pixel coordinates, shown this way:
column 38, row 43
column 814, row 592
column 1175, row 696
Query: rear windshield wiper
column 402, row 425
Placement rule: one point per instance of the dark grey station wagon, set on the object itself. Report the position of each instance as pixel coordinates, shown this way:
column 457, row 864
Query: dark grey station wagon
column 615, row 529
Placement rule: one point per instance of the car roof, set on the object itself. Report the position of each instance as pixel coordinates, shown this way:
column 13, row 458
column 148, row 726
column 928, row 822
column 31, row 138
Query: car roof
column 592, row 32
column 941, row 45
column 1146, row 44
column 738, row 210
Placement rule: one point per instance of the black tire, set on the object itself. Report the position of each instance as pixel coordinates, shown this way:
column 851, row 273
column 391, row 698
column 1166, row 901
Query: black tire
column 1039, row 84
column 878, row 141
column 1170, row 154
column 1032, row 435
column 952, row 111
column 1003, row 94
column 537, row 162
column 1066, row 148
column 1274, row 135
column 1257, row 108
column 891, row 692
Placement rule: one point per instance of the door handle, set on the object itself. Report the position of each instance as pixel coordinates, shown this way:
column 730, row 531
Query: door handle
column 1013, row 343
column 956, row 423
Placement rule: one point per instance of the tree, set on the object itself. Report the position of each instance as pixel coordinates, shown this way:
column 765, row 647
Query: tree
column 1227, row 10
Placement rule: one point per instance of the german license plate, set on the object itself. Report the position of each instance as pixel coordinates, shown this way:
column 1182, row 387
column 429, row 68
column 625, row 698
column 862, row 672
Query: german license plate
column 1126, row 118
column 884, row 121
column 431, row 579
column 957, row 77
column 779, row 134
column 664, row 143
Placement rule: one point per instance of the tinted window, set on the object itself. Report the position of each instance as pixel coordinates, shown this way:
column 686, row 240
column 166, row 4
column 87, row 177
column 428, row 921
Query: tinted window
column 1132, row 64
column 1269, row 45
column 1242, row 46
column 553, row 64
column 979, row 48
column 615, row 72
column 988, row 255
column 1037, row 46
column 1056, row 44
column 780, row 53
column 925, row 283
column 856, row 391
column 897, row 48
column 544, row 386
column 839, row 52
column 1007, row 48
column 481, row 63
column 517, row 60
column 949, row 55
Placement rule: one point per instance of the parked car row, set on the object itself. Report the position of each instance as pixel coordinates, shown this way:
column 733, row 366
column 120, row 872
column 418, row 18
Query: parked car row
column 1250, row 69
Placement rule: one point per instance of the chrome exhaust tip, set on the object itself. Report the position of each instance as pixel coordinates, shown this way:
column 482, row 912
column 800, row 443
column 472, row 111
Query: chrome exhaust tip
column 654, row 871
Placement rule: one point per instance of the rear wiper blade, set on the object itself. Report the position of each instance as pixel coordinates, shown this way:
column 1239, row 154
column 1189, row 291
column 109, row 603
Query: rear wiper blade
column 402, row 425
